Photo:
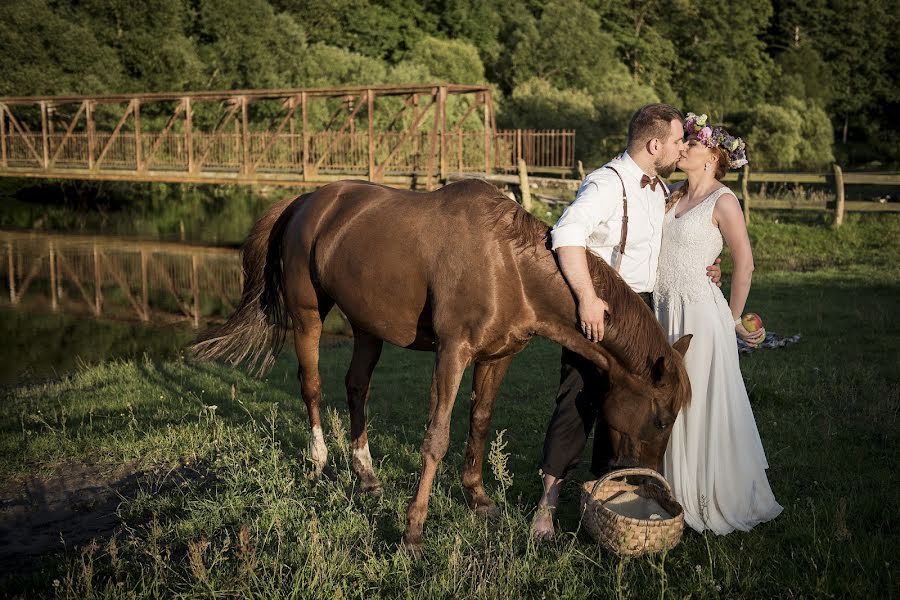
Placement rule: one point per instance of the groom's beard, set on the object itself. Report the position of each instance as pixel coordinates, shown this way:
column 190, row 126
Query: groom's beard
column 664, row 170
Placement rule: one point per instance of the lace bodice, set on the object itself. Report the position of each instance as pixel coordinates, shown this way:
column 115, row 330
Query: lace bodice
column 690, row 243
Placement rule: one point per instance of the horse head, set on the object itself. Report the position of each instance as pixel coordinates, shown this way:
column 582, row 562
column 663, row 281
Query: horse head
column 640, row 411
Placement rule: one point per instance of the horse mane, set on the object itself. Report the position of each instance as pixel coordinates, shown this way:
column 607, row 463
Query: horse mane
column 512, row 223
column 631, row 340
column 635, row 342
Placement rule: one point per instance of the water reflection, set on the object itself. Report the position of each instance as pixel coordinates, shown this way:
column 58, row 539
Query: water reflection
column 39, row 346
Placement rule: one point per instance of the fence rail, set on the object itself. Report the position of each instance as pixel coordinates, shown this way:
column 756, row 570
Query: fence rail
column 837, row 178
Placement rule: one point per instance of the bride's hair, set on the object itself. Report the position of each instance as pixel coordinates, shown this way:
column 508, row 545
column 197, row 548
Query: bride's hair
column 722, row 166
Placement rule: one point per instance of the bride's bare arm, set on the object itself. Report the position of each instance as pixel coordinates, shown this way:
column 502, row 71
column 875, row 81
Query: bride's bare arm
column 730, row 220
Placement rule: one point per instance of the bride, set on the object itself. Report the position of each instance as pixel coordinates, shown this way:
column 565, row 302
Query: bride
column 715, row 459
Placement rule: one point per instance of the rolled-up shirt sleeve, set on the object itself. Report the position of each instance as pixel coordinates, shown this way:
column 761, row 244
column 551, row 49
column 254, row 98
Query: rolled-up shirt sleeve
column 593, row 205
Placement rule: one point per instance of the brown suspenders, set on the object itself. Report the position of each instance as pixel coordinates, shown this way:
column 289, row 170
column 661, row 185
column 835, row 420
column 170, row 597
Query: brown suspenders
column 621, row 247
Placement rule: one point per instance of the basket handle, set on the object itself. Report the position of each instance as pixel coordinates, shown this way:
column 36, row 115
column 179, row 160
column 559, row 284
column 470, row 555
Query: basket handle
column 634, row 471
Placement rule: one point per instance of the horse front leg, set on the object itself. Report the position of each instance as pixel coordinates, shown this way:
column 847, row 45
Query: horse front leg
column 366, row 352
column 449, row 366
column 486, row 382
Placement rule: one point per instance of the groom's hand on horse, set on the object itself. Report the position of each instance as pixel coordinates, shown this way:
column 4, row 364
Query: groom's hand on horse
column 592, row 314
column 714, row 272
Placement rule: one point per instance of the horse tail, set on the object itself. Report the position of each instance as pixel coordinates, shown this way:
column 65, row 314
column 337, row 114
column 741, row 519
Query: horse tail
column 255, row 332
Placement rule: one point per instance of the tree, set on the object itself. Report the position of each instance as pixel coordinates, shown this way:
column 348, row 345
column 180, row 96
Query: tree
column 53, row 51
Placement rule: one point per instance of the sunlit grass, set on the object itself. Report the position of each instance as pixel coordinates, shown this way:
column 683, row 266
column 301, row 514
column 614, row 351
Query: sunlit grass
column 249, row 522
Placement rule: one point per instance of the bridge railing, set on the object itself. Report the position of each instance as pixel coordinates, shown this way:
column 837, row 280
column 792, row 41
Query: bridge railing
column 106, row 276
column 547, row 151
column 384, row 133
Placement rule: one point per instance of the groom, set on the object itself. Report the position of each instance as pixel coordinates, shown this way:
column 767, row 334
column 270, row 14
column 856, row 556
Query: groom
column 594, row 221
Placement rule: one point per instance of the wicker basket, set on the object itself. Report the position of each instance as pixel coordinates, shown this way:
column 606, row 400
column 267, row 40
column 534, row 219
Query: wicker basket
column 632, row 519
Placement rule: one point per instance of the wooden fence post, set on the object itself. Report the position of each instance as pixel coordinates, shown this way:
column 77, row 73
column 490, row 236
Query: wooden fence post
column 838, row 195
column 745, row 192
column 523, row 184
column 581, row 174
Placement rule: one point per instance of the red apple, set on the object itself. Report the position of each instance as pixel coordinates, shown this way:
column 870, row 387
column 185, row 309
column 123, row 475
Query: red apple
column 751, row 322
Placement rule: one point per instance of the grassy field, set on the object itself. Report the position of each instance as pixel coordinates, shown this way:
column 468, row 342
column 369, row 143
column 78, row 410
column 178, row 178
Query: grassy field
column 215, row 500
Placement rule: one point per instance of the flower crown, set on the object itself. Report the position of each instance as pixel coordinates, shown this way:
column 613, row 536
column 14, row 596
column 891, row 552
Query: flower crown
column 712, row 137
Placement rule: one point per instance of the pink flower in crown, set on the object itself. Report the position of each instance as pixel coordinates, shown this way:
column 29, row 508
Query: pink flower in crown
column 705, row 135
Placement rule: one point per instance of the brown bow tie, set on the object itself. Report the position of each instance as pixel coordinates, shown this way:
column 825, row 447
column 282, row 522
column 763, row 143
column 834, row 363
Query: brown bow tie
column 651, row 181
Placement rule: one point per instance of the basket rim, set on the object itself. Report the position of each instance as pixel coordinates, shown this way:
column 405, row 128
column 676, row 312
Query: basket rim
column 589, row 501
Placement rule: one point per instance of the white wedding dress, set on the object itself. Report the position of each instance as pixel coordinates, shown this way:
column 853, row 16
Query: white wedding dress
column 715, row 460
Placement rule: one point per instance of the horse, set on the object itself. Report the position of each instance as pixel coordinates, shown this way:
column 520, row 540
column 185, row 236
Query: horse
column 464, row 272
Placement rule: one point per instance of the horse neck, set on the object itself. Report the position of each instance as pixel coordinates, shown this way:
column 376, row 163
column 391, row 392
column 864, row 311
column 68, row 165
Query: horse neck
column 629, row 340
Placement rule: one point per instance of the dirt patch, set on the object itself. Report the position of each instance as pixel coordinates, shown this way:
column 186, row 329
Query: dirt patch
column 72, row 505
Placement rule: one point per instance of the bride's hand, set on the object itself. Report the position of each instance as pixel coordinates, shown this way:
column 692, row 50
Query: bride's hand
column 752, row 338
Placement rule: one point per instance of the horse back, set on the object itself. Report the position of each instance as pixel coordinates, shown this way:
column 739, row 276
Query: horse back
column 407, row 265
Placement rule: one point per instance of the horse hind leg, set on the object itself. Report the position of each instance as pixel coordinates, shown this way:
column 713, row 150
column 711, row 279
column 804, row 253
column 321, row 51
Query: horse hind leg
column 486, row 381
column 307, row 325
column 366, row 352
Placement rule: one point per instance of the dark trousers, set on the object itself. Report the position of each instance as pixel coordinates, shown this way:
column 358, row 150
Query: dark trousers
column 582, row 390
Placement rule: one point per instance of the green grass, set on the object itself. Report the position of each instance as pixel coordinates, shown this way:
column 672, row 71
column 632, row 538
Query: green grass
column 253, row 525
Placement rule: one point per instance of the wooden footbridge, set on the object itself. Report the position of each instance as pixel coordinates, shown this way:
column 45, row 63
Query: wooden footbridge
column 412, row 135
column 119, row 278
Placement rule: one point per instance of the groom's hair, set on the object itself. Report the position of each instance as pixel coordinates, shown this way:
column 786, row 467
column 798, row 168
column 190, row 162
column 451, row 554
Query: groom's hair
column 651, row 121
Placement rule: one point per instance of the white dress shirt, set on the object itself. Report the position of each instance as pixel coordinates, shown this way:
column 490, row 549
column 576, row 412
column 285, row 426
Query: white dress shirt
column 594, row 221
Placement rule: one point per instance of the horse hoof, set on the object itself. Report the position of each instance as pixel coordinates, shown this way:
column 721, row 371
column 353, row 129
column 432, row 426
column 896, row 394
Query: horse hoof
column 414, row 548
column 489, row 512
column 373, row 489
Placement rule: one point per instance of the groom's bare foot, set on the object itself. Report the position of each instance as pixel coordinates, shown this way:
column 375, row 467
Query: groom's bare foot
column 542, row 523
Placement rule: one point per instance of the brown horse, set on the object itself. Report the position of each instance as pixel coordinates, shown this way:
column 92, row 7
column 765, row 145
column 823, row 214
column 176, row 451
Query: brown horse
column 463, row 272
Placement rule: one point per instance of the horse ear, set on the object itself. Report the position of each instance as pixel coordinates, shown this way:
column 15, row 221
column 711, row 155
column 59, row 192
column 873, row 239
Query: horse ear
column 682, row 345
column 657, row 369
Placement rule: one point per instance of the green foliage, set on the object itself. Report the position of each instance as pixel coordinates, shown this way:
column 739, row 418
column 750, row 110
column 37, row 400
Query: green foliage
column 448, row 61
column 795, row 134
column 729, row 60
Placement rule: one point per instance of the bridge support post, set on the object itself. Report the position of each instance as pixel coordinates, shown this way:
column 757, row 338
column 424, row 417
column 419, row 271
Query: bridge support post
column 3, row 135
column 189, row 134
column 89, row 120
column 195, row 289
column 98, row 283
column 138, row 150
column 12, row 273
column 145, row 287
column 442, row 109
column 54, row 291
column 305, row 125
column 370, row 99
column 45, row 135
column 246, row 167
column 487, row 135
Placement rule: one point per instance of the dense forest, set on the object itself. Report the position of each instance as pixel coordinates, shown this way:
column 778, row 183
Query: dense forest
column 805, row 82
